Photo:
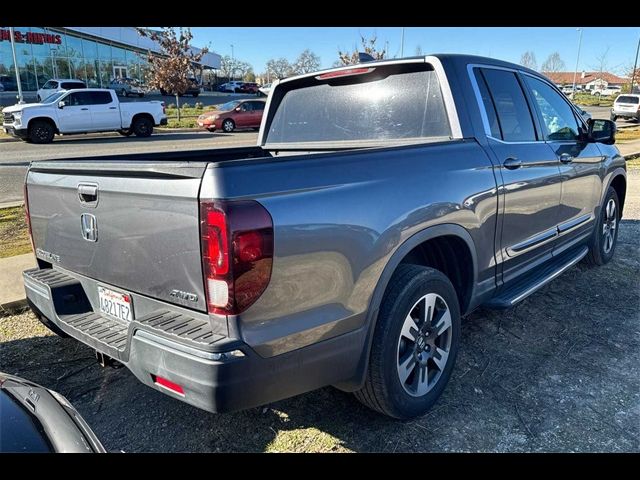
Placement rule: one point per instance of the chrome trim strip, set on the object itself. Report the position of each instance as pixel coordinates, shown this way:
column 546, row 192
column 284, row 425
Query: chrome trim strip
column 36, row 288
column 550, row 277
column 161, row 342
column 449, row 103
column 532, row 242
column 571, row 225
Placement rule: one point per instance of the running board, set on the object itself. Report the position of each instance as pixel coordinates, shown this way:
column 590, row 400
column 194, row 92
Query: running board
column 532, row 282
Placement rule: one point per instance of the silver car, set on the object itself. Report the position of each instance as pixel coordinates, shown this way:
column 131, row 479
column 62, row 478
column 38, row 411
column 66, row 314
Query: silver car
column 126, row 86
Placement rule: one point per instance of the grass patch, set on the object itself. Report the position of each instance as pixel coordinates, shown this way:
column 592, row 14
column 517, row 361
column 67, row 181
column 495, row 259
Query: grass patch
column 183, row 123
column 588, row 100
column 307, row 440
column 191, row 111
column 634, row 164
column 628, row 134
column 14, row 237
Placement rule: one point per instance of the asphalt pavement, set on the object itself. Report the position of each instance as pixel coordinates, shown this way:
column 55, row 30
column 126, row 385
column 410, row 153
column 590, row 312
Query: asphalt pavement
column 15, row 156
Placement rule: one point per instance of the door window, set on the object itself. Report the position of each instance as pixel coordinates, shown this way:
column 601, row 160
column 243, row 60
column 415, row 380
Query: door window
column 258, row 106
column 558, row 119
column 514, row 117
column 246, row 107
column 100, row 98
column 78, row 98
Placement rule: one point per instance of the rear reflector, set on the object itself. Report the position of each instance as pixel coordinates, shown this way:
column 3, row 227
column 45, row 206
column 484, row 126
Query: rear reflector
column 237, row 253
column 345, row 73
column 163, row 382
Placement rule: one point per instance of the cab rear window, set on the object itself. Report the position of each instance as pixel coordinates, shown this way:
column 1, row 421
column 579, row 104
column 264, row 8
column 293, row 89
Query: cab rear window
column 385, row 103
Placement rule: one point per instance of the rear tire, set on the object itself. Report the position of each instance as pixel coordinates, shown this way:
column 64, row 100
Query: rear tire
column 415, row 343
column 605, row 235
column 41, row 131
column 142, row 127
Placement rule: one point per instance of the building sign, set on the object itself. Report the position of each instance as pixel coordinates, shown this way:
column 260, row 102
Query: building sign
column 30, row 37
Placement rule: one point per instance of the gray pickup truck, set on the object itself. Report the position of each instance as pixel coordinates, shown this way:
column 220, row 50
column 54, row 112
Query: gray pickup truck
column 383, row 201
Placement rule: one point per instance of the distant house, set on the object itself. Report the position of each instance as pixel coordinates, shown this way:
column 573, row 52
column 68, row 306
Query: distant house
column 587, row 80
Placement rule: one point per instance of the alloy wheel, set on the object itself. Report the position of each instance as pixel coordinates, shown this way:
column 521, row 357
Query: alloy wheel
column 609, row 225
column 424, row 345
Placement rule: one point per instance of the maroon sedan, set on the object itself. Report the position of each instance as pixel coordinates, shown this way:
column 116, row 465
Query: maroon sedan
column 233, row 115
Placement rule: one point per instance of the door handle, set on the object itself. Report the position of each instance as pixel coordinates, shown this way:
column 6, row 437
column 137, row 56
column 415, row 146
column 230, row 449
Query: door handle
column 512, row 163
column 112, row 108
column 84, row 108
column 566, row 158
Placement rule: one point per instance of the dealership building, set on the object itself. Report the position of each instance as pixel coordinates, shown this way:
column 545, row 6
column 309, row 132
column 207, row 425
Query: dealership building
column 95, row 55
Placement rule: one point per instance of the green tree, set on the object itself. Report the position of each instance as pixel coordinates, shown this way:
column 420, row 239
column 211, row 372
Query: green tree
column 171, row 70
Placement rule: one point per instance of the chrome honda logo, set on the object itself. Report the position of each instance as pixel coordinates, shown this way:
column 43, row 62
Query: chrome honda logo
column 89, row 227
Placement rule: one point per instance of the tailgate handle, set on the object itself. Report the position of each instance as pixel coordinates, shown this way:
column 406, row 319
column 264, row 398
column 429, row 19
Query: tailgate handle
column 88, row 193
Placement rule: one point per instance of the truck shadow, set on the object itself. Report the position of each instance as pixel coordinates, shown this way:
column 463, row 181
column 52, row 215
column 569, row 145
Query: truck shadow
column 540, row 376
column 156, row 137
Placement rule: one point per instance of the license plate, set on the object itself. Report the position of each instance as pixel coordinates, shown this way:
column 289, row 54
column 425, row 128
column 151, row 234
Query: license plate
column 115, row 304
column 201, row 124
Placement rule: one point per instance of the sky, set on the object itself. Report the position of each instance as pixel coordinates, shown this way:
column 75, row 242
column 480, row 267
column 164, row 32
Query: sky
column 256, row 45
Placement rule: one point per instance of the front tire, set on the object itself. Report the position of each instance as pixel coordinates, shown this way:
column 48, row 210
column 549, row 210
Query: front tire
column 415, row 343
column 41, row 131
column 142, row 127
column 228, row 125
column 605, row 235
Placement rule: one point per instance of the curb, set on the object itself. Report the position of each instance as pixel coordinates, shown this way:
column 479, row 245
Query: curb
column 13, row 307
column 18, row 203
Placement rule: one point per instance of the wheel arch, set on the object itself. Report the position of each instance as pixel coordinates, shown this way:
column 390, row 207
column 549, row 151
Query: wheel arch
column 619, row 184
column 45, row 119
column 141, row 115
column 397, row 258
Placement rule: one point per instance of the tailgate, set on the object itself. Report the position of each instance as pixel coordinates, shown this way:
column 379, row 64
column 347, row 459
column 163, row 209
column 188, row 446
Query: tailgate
column 140, row 231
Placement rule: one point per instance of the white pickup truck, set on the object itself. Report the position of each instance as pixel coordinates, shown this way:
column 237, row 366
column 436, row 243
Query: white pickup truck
column 82, row 111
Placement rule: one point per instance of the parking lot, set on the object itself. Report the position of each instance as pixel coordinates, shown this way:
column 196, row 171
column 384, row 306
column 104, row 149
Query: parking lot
column 559, row 373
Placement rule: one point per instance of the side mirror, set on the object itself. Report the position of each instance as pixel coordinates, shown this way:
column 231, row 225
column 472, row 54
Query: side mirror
column 61, row 104
column 602, row 131
column 238, row 109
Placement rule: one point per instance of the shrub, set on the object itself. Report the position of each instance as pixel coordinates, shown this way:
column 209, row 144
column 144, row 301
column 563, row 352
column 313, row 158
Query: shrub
column 171, row 105
column 199, row 105
column 186, row 105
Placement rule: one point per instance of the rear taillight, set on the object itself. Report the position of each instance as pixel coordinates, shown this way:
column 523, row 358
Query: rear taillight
column 237, row 253
column 28, row 217
column 164, row 108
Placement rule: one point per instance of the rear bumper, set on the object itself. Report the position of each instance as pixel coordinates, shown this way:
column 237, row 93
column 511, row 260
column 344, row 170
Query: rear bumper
column 622, row 114
column 226, row 376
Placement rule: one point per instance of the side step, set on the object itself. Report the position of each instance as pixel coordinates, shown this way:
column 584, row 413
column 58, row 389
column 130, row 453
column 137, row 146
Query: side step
column 535, row 280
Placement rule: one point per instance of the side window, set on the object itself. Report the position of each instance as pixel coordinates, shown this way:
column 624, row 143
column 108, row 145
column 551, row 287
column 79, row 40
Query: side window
column 258, row 106
column 559, row 121
column 50, row 85
column 489, row 108
column 246, row 107
column 100, row 98
column 78, row 98
column 514, row 116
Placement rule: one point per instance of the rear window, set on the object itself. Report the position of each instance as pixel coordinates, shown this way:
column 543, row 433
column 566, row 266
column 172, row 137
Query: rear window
column 50, row 84
column 72, row 85
column 628, row 99
column 389, row 103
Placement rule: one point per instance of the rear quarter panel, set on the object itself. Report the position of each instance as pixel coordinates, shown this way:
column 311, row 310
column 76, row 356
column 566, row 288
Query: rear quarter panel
column 338, row 218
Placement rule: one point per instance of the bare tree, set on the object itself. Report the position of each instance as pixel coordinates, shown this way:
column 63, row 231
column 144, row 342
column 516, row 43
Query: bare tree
column 171, row 70
column 419, row 51
column 368, row 47
column 553, row 63
column 528, row 59
column 602, row 61
column 249, row 76
column 279, row 68
column 306, row 62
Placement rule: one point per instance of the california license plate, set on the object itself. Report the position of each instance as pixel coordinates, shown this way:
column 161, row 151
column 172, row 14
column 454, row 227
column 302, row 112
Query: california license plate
column 115, row 304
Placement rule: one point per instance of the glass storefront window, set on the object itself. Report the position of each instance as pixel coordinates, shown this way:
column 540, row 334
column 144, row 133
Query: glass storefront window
column 77, row 69
column 91, row 69
column 104, row 52
column 89, row 48
column 119, row 56
column 74, row 46
column 106, row 73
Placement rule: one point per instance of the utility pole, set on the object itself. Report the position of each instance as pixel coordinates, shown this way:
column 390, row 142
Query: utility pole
column 402, row 44
column 233, row 64
column 635, row 65
column 15, row 66
column 575, row 73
